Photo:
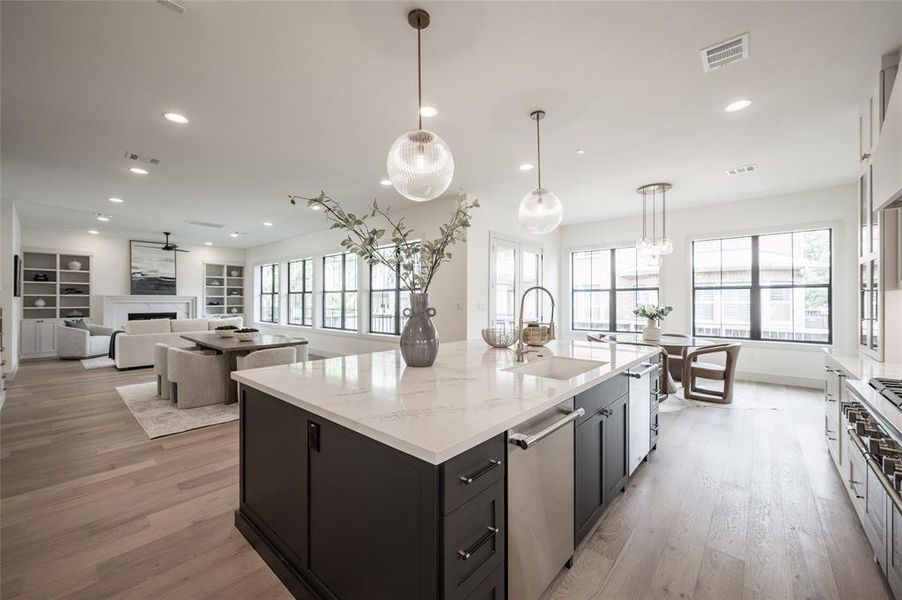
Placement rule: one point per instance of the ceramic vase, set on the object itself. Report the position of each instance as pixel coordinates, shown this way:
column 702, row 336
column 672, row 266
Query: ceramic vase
column 651, row 332
column 40, row 303
column 74, row 265
column 419, row 339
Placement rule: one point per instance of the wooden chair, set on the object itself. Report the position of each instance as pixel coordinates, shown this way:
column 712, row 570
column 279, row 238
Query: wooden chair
column 664, row 386
column 693, row 369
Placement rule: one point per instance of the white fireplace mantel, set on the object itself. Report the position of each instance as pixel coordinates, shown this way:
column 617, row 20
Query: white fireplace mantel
column 117, row 308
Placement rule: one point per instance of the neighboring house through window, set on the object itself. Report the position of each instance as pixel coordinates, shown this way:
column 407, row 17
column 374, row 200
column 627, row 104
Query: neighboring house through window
column 267, row 292
column 340, row 291
column 300, row 292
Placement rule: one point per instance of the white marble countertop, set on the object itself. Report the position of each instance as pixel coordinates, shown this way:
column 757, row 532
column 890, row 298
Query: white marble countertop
column 435, row 413
column 861, row 367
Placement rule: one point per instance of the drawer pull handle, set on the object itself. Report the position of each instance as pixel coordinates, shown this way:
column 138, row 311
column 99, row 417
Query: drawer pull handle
column 655, row 428
column 468, row 479
column 466, row 554
column 852, row 484
column 830, row 398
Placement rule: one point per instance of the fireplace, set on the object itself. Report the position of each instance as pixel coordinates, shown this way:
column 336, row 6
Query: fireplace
column 144, row 316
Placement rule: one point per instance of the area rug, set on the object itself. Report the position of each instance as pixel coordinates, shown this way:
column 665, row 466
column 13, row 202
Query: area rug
column 98, row 362
column 161, row 417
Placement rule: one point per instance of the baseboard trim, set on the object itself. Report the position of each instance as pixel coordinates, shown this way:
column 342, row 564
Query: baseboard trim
column 792, row 380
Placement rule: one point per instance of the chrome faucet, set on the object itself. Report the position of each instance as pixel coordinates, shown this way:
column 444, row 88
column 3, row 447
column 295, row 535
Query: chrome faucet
column 521, row 348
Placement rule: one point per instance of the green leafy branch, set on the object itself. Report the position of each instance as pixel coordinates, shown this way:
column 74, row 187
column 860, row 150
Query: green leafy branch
column 392, row 243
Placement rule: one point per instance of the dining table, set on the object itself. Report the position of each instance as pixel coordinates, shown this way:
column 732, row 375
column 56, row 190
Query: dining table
column 674, row 344
column 231, row 348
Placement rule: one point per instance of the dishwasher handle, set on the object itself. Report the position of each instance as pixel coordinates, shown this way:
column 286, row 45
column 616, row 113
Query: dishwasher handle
column 640, row 374
column 525, row 441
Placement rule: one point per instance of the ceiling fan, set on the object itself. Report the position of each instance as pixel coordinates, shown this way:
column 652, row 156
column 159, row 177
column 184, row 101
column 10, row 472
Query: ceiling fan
column 170, row 246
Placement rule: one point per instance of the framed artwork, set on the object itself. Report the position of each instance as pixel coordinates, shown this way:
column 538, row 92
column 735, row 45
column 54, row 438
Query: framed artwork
column 152, row 269
column 17, row 276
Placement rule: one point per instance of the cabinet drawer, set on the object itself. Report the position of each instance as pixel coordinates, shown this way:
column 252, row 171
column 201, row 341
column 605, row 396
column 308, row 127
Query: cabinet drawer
column 894, row 566
column 492, row 588
column 856, row 479
column 474, row 541
column 467, row 475
column 602, row 395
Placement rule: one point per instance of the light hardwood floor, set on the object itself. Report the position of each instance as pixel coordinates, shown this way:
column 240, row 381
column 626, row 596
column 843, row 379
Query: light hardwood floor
column 738, row 502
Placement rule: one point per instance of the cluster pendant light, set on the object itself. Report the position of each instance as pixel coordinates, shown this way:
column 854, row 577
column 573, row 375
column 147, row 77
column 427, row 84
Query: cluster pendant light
column 540, row 210
column 653, row 248
column 419, row 164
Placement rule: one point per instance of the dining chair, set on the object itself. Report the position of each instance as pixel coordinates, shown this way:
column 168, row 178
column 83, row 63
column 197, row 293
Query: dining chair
column 694, row 369
column 197, row 378
column 269, row 357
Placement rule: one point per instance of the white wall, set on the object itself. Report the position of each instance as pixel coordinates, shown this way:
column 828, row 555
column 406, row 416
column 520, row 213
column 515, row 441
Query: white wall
column 10, row 244
column 835, row 207
column 110, row 263
column 492, row 219
column 447, row 294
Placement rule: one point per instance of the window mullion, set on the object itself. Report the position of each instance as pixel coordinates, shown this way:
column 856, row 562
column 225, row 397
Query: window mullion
column 755, row 293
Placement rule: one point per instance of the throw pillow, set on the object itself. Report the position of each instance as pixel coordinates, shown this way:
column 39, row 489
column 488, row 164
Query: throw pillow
column 77, row 324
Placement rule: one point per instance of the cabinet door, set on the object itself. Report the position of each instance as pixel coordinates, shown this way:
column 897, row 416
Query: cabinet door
column 614, row 463
column 875, row 515
column 47, row 336
column 587, row 485
column 894, row 548
column 374, row 509
column 274, row 471
column 29, row 336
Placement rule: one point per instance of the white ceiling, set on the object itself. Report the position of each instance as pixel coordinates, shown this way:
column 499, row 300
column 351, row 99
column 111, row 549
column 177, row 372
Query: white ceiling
column 296, row 97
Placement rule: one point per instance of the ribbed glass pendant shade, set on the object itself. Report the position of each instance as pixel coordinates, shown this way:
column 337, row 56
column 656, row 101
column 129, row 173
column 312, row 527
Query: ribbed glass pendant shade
column 540, row 211
column 420, row 165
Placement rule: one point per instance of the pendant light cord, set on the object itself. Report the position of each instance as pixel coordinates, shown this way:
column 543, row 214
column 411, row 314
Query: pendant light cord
column 419, row 82
column 539, row 150
column 644, row 214
column 663, row 214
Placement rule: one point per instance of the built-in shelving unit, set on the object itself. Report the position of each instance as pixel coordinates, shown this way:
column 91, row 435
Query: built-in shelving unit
column 223, row 289
column 49, row 280
column 54, row 286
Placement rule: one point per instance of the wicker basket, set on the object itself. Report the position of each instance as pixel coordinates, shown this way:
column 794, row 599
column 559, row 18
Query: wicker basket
column 537, row 334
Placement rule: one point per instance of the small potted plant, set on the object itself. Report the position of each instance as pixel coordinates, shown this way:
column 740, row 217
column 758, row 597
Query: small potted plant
column 654, row 313
column 226, row 331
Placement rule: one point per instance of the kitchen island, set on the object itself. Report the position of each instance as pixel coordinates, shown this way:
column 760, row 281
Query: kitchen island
column 363, row 478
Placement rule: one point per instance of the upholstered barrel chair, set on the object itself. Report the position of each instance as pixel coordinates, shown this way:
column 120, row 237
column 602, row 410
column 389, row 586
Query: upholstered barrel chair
column 196, row 378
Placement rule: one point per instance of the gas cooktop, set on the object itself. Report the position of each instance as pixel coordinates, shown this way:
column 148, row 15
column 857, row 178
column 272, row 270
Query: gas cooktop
column 891, row 389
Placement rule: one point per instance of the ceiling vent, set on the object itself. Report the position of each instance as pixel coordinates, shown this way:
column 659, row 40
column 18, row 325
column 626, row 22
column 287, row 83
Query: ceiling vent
column 726, row 52
column 205, row 224
column 142, row 159
column 742, row 170
column 173, row 6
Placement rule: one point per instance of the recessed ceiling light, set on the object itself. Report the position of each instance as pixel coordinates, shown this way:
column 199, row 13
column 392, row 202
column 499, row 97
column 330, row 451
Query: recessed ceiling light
column 527, row 167
column 176, row 118
column 93, row 232
column 580, row 151
column 737, row 105
column 208, row 243
column 428, row 111
column 267, row 224
column 233, row 234
column 117, row 200
column 385, row 182
column 102, row 217
column 138, row 170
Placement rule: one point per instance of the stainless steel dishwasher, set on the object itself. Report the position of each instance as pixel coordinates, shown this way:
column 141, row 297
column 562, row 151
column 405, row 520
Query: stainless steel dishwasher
column 540, row 500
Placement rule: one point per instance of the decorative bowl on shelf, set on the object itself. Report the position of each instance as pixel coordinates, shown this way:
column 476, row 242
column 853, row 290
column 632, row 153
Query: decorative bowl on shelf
column 234, row 273
column 74, row 265
column 226, row 331
column 214, row 283
column 245, row 335
column 234, row 311
column 75, row 313
column 40, row 277
column 499, row 337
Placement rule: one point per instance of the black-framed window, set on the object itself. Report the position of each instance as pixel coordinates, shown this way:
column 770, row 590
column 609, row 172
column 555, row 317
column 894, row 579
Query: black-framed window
column 388, row 298
column 300, row 292
column 773, row 287
column 268, row 293
column 340, row 291
column 606, row 284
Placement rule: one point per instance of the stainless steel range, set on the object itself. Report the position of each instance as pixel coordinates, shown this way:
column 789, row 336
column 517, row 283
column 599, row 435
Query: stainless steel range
column 891, row 389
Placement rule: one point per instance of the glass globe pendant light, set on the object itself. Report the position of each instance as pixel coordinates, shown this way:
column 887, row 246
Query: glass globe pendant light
column 419, row 164
column 654, row 248
column 540, row 210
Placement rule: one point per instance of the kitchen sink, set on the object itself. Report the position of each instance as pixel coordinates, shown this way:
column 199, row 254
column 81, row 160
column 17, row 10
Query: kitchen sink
column 556, row 367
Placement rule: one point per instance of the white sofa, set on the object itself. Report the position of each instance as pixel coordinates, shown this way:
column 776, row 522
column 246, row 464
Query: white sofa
column 134, row 347
column 72, row 342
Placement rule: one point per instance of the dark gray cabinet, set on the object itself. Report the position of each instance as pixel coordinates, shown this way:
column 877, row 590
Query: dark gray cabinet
column 600, row 454
column 337, row 515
